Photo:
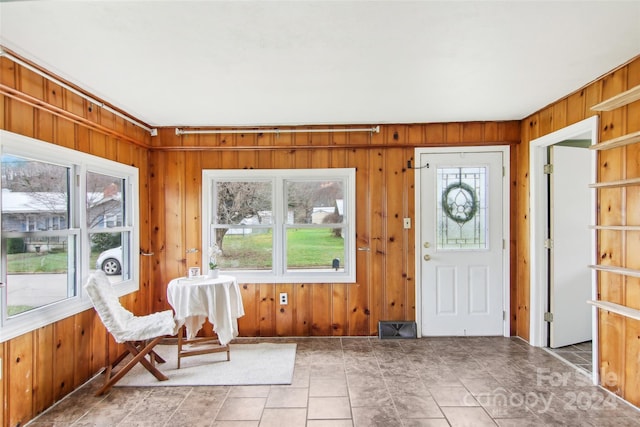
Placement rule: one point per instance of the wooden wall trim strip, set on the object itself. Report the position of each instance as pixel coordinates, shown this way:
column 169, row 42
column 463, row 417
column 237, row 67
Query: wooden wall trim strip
column 57, row 111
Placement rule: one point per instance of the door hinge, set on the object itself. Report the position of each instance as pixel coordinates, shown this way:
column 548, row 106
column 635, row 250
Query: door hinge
column 548, row 243
column 504, row 315
column 548, row 169
column 548, row 317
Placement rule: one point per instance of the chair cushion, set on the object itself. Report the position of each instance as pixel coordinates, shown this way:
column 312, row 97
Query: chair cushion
column 120, row 322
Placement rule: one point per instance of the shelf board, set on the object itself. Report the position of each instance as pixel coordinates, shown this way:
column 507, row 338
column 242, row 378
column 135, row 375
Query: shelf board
column 622, row 310
column 620, row 141
column 617, row 270
column 620, row 183
column 616, row 227
column 619, row 100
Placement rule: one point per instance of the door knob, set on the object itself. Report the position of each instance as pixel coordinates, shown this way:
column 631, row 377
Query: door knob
column 427, row 258
column 426, row 245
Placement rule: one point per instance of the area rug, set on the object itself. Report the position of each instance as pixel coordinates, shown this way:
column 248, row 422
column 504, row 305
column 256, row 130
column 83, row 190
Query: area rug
column 250, row 364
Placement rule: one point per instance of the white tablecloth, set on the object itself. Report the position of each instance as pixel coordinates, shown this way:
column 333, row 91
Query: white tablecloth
column 199, row 298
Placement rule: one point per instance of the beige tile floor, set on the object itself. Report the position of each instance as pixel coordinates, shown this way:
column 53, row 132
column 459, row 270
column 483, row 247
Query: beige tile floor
column 577, row 354
column 371, row 382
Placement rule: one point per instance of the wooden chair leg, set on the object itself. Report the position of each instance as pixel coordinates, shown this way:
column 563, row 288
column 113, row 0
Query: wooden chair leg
column 138, row 357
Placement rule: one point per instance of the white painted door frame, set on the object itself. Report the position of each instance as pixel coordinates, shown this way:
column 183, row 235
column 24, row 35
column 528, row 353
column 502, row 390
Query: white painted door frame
column 538, row 206
column 505, row 149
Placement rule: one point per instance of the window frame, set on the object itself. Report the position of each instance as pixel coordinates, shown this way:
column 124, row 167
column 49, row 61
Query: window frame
column 278, row 177
column 80, row 164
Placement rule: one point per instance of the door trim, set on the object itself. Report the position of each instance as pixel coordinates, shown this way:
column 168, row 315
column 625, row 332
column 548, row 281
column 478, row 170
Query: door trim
column 538, row 203
column 506, row 162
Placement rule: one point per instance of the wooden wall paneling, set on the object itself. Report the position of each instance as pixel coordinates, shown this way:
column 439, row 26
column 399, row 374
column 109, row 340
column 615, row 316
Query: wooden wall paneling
column 513, row 242
column 284, row 315
column 409, row 237
column 396, row 244
column 612, row 166
column 159, row 231
column 3, row 110
column 100, row 145
column 632, row 358
column 30, row 83
column 249, row 324
column 358, row 293
column 472, row 133
column 264, row 159
column 7, row 72
column 415, row 135
column 302, row 304
column 75, row 104
column 140, row 159
column 193, row 211
column 83, row 138
column 247, row 159
column 44, row 125
column 82, row 347
column 64, row 133
column 559, row 114
column 434, row 134
column 321, row 309
column 43, row 395
column 104, row 117
column 19, row 399
column 545, row 121
column 284, row 159
column 453, row 133
column 491, row 132
column 175, row 217
column 267, row 310
column 63, row 357
column 576, row 107
column 20, row 118
column 339, row 299
column 265, row 139
column 302, row 159
column 377, row 245
column 522, row 295
column 611, row 333
column 98, row 333
column 322, row 157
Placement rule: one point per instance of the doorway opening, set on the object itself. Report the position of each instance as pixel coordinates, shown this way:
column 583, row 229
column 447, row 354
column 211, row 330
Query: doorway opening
column 562, row 209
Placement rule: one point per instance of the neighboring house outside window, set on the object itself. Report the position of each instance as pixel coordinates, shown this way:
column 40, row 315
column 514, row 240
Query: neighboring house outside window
column 61, row 211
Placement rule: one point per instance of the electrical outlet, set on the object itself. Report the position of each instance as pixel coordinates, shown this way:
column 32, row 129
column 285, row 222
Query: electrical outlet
column 284, row 298
column 407, row 223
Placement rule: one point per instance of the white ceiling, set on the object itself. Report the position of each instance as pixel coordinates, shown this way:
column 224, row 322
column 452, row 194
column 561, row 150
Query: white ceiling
column 248, row 63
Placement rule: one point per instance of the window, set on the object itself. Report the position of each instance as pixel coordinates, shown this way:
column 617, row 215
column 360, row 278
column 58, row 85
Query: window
column 63, row 215
column 281, row 226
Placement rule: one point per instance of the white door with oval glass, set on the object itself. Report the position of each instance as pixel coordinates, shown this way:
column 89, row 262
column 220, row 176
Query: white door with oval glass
column 461, row 238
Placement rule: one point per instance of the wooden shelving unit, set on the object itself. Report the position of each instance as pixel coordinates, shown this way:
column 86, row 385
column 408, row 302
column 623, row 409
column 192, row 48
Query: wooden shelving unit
column 622, row 310
column 612, row 184
column 619, row 100
column 620, row 141
column 612, row 103
column 617, row 270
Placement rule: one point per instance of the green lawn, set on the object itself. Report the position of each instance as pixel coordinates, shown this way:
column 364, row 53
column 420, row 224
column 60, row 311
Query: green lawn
column 307, row 248
column 31, row 262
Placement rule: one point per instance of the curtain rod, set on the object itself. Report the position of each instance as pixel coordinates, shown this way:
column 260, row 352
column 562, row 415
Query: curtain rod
column 375, row 129
column 3, row 52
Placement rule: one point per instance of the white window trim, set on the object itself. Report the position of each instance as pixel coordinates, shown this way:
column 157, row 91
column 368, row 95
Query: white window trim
column 81, row 162
column 277, row 176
